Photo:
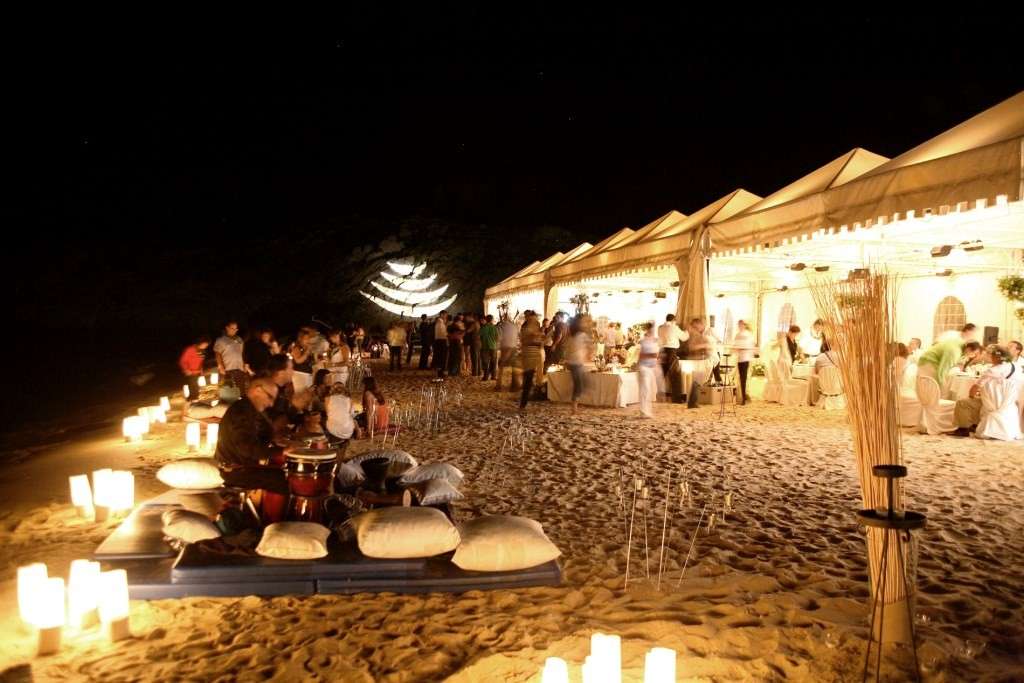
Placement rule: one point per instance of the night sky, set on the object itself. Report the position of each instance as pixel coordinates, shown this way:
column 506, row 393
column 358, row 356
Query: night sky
column 167, row 180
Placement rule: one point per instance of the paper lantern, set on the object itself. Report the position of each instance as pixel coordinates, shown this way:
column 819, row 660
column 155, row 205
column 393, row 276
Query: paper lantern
column 555, row 671
column 30, row 582
column 143, row 412
column 134, row 427
column 192, row 436
column 83, row 592
column 81, row 494
column 120, row 494
column 156, row 414
column 606, row 658
column 201, row 381
column 47, row 614
column 100, row 493
column 165, row 403
column 214, row 378
column 184, row 391
column 660, row 665
column 211, row 436
column 113, row 603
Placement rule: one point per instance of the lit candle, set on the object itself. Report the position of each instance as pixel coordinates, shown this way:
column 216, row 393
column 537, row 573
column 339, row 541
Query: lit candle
column 113, row 603
column 155, row 414
column 81, row 494
column 101, row 493
column 555, row 671
column 143, row 412
column 83, row 587
column 660, row 665
column 165, row 403
column 201, row 381
column 30, row 581
column 128, row 427
column 192, row 436
column 184, row 390
column 143, row 424
column 606, row 657
column 214, row 378
column 121, row 491
column 47, row 614
column 211, row 436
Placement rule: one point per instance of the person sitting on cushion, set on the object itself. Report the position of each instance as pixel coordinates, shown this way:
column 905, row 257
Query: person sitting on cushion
column 968, row 411
column 245, row 450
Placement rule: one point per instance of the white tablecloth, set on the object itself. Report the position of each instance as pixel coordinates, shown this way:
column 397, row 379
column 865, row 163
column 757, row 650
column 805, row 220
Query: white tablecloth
column 958, row 386
column 614, row 390
column 802, row 371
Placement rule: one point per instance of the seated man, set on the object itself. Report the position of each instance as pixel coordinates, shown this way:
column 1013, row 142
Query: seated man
column 245, row 450
column 968, row 410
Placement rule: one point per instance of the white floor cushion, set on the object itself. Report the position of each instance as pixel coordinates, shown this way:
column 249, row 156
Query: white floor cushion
column 498, row 543
column 188, row 526
column 191, row 473
column 435, row 470
column 404, row 532
column 294, row 541
column 435, row 492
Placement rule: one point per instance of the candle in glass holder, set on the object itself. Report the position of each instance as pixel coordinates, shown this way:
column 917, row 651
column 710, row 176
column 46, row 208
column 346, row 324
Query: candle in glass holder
column 211, row 436
column 192, row 436
column 81, row 494
column 113, row 604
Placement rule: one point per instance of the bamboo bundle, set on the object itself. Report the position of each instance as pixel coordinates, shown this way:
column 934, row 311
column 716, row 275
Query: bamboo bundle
column 859, row 321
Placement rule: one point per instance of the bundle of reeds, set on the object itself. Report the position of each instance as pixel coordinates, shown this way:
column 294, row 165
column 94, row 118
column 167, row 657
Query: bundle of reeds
column 859, row 320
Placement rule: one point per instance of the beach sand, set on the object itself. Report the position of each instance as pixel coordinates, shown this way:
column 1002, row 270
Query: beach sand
column 777, row 591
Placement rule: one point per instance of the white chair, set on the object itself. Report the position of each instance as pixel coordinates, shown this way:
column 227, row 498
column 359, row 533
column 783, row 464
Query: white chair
column 772, row 387
column 793, row 392
column 936, row 412
column 906, row 381
column 830, row 387
column 1000, row 418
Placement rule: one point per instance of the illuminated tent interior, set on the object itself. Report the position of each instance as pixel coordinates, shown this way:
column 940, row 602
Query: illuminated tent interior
column 946, row 217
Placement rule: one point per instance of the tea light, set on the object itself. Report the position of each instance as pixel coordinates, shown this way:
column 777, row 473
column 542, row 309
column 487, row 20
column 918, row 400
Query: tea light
column 113, row 604
column 47, row 614
column 30, row 581
column 555, row 671
column 165, row 403
column 83, row 588
column 192, row 436
column 201, row 381
column 660, row 665
column 211, row 436
column 81, row 494
column 214, row 378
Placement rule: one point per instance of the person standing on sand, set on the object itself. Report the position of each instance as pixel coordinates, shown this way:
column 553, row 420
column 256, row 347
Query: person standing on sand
column 578, row 351
column 488, row 347
column 441, row 343
column 531, row 343
column 508, row 341
column 191, row 364
column 230, row 362
column 426, row 340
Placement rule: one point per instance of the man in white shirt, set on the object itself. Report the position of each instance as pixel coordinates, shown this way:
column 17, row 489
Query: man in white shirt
column 645, row 368
column 914, row 347
column 230, row 364
column 508, row 341
column 396, row 342
column 670, row 338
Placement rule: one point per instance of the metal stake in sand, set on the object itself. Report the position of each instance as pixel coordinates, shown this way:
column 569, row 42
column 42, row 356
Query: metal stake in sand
column 637, row 484
column 664, row 526
column 693, row 540
column 645, row 497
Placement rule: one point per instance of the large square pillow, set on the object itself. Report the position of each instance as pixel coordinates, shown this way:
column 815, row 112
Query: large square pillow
column 392, row 454
column 294, row 541
column 404, row 532
column 435, row 492
column 502, row 543
column 191, row 473
column 435, row 470
column 350, row 474
column 188, row 526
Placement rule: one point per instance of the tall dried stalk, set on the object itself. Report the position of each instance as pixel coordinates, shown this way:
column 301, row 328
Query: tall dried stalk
column 859, row 319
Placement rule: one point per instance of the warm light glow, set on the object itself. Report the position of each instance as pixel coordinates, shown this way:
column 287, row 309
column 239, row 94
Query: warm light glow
column 412, row 297
column 403, row 269
column 201, row 381
column 156, row 414
column 165, row 403
column 555, row 671
column 83, row 591
column 131, row 429
column 192, row 435
column 184, row 390
column 211, row 436
column 660, row 665
column 31, row 579
column 605, row 658
column 413, row 310
column 113, row 595
column 81, row 493
column 101, row 487
column 47, row 607
column 120, row 494
column 408, row 284
column 214, row 378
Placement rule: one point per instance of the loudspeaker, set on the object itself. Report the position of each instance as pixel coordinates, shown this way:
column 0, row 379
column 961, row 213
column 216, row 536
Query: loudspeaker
column 991, row 335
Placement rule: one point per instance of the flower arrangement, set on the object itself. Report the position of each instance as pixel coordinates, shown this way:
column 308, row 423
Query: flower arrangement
column 1012, row 287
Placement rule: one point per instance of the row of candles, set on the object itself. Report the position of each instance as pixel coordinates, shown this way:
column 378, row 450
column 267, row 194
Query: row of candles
column 201, row 382
column 604, row 664
column 134, row 428
column 92, row 595
column 112, row 492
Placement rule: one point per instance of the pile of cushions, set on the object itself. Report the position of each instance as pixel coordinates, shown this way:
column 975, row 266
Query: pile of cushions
column 192, row 522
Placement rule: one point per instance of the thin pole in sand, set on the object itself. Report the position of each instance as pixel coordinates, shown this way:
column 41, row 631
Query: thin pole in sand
column 693, row 540
column 629, row 539
column 664, row 526
column 645, row 497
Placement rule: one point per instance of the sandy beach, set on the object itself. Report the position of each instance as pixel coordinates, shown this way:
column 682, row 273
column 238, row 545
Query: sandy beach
column 776, row 591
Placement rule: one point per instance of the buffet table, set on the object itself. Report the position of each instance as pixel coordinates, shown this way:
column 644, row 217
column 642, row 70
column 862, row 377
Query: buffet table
column 607, row 389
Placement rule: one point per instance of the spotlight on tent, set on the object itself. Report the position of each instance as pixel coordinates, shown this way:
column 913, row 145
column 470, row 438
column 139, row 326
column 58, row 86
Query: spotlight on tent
column 660, row 295
column 944, row 273
column 674, row 284
column 944, row 250
column 626, row 291
column 821, row 269
column 720, row 295
column 858, row 274
column 975, row 245
column 783, row 288
column 596, row 294
column 798, row 266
